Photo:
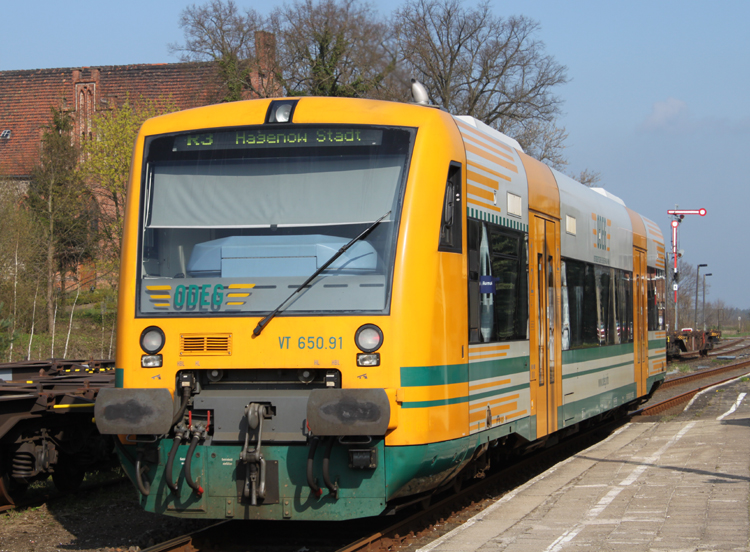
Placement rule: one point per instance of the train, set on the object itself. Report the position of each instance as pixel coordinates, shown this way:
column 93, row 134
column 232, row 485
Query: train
column 47, row 427
column 330, row 308
column 688, row 341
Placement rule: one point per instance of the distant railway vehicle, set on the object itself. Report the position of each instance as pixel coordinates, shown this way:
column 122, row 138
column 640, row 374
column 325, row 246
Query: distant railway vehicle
column 332, row 306
column 688, row 341
column 46, row 423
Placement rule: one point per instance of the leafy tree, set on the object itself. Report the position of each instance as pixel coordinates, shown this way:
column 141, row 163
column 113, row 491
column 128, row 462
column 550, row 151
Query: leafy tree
column 107, row 165
column 21, row 257
column 63, row 206
column 331, row 48
column 309, row 47
column 471, row 61
column 8, row 334
column 217, row 31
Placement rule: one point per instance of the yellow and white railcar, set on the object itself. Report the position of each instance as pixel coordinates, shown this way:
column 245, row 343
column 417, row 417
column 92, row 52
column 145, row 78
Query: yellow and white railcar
column 405, row 288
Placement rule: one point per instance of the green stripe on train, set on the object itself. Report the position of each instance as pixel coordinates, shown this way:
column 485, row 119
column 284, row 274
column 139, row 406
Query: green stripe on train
column 657, row 343
column 577, row 411
column 427, row 376
column 596, row 353
column 595, row 370
column 486, row 369
column 431, row 376
column 459, row 400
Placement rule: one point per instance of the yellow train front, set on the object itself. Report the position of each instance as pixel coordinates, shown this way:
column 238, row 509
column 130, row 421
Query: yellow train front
column 330, row 306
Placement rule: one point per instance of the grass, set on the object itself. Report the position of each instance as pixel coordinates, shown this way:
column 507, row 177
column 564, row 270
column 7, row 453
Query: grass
column 88, row 340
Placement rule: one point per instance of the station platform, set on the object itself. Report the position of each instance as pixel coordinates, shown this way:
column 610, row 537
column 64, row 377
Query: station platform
column 678, row 483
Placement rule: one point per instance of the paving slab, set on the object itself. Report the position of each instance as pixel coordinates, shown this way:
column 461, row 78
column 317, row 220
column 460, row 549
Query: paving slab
column 681, row 484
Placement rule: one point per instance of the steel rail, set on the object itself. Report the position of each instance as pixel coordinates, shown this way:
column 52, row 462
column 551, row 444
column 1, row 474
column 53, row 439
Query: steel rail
column 668, row 404
column 183, row 543
column 673, row 382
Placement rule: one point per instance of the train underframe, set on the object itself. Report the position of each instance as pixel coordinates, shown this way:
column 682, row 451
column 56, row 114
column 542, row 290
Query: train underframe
column 322, row 477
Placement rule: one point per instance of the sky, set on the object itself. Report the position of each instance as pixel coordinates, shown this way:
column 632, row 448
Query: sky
column 657, row 98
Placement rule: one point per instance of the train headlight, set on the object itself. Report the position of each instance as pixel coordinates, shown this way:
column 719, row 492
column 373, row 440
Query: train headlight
column 151, row 361
column 368, row 359
column 281, row 111
column 368, row 338
column 152, row 340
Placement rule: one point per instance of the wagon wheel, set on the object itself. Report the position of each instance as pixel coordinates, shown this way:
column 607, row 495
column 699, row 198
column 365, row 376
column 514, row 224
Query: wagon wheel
column 68, row 474
column 10, row 490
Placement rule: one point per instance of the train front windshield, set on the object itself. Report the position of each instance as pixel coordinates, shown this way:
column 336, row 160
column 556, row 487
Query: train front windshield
column 234, row 220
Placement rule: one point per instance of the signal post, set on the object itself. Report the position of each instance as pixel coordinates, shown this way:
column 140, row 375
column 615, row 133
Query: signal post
column 677, row 216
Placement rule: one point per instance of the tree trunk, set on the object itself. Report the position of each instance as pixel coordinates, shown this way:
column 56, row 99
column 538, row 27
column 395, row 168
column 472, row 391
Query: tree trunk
column 33, row 320
column 50, row 270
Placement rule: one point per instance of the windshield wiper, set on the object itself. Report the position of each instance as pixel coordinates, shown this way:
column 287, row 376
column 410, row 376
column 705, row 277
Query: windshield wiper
column 263, row 323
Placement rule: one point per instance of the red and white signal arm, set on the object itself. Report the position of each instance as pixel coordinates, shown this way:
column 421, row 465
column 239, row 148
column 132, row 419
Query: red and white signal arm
column 701, row 212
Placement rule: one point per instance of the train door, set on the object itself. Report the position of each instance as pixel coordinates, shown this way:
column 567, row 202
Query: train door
column 545, row 344
column 640, row 320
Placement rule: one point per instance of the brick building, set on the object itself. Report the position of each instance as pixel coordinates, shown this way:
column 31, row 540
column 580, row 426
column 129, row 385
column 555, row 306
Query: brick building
column 27, row 96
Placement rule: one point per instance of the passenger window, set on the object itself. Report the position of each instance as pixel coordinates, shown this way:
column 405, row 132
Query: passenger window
column 450, row 225
column 597, row 305
column 498, row 283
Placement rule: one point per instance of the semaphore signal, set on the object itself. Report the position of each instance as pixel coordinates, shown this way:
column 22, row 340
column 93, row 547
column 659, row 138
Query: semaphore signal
column 678, row 215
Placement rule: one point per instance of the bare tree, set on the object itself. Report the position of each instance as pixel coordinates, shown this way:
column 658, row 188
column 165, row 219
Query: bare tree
column 685, row 295
column 540, row 139
column 244, row 53
column 589, row 177
column 546, row 141
column 331, row 48
column 475, row 63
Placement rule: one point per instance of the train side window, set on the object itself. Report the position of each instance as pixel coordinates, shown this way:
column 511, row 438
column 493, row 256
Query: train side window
column 625, row 306
column 498, row 283
column 582, row 308
column 450, row 224
column 599, row 304
column 656, row 297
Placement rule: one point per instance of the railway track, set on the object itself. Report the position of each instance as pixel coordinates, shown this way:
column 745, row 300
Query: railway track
column 416, row 523
column 668, row 403
column 409, row 524
column 417, row 520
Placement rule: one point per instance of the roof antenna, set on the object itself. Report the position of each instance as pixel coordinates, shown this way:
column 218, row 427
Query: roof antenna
column 419, row 93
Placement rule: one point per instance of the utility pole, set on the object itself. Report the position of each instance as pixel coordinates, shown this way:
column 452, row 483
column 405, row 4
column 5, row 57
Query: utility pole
column 703, row 312
column 697, row 283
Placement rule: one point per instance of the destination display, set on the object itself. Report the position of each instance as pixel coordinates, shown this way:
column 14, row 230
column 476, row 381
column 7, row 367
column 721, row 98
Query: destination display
column 279, row 138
